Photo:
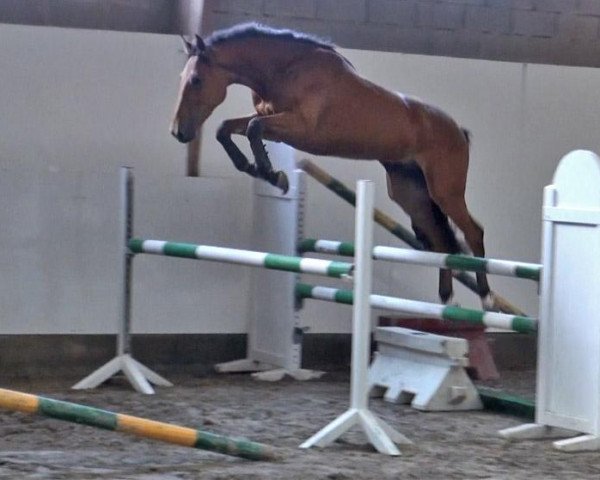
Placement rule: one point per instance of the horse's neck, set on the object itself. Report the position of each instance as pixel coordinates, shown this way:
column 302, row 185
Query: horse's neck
column 253, row 62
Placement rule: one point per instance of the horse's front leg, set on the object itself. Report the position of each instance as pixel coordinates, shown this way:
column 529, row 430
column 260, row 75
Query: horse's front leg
column 272, row 127
column 224, row 132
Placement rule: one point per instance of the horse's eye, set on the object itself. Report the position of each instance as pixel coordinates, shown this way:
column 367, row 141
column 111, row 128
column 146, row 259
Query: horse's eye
column 195, row 81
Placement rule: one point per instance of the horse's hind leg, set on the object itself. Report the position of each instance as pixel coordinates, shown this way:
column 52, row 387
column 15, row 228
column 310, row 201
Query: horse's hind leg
column 407, row 187
column 457, row 210
column 446, row 180
column 445, row 289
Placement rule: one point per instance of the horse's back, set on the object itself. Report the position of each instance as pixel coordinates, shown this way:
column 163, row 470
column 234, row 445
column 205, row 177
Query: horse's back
column 349, row 116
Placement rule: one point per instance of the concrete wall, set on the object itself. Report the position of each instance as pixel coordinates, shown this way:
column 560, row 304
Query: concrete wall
column 76, row 106
column 156, row 16
column 564, row 32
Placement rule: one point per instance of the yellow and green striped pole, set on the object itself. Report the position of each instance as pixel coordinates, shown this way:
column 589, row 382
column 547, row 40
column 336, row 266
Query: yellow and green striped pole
column 140, row 427
column 395, row 228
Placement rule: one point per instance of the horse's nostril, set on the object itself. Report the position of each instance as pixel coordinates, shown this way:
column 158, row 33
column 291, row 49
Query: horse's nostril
column 178, row 135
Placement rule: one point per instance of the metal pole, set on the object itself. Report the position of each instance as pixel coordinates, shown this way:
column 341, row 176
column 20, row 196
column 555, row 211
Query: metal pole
column 138, row 375
column 361, row 315
column 125, row 233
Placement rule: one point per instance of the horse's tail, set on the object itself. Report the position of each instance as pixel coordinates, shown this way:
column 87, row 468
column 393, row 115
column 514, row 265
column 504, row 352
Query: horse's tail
column 467, row 135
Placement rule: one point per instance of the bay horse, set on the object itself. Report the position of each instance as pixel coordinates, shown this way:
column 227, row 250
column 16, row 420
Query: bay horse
column 307, row 95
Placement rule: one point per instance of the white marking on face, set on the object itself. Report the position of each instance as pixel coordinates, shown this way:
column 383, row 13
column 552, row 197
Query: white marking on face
column 189, row 68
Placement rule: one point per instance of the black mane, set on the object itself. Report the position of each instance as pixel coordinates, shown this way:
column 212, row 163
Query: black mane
column 256, row 30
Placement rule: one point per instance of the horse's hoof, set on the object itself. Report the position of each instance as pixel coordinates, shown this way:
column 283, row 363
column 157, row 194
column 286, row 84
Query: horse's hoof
column 489, row 303
column 251, row 169
column 282, row 181
column 452, row 303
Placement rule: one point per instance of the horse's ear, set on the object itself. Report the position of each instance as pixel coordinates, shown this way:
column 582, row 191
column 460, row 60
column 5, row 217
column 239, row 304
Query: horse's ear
column 200, row 45
column 188, row 47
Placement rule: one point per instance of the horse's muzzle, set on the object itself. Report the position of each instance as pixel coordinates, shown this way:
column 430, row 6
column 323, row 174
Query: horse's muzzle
column 182, row 133
column 182, row 137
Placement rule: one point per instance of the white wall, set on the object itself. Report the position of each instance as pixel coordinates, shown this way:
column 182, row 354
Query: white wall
column 77, row 104
column 87, row 100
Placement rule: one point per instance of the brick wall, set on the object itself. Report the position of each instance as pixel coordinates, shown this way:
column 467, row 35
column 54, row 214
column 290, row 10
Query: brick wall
column 157, row 16
column 563, row 32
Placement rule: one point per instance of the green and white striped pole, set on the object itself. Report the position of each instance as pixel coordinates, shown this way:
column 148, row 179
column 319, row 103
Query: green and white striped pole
column 141, row 427
column 445, row 312
column 242, row 257
column 469, row 263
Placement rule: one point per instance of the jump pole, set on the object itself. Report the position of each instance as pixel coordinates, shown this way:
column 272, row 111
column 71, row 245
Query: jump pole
column 140, row 427
column 250, row 258
column 503, row 321
column 380, row 434
column 395, row 228
column 138, row 375
column 507, row 268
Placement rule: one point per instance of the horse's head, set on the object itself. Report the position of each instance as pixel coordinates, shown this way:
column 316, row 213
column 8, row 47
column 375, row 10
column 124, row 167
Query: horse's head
column 203, row 87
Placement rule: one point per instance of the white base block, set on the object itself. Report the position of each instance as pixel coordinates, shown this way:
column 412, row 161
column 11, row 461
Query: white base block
column 243, row 365
column 537, row 431
column 578, row 444
column 266, row 371
column 424, row 369
column 380, row 434
column 138, row 375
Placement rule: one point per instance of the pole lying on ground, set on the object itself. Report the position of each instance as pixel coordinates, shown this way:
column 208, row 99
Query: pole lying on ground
column 395, row 229
column 140, row 427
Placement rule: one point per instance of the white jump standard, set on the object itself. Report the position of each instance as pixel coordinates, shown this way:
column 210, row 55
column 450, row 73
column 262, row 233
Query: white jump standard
column 380, row 434
column 568, row 380
column 138, row 375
